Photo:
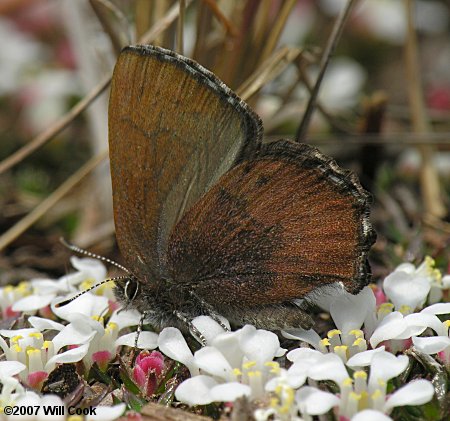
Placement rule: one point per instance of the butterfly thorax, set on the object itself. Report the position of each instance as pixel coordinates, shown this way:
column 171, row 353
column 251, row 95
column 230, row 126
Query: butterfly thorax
column 164, row 302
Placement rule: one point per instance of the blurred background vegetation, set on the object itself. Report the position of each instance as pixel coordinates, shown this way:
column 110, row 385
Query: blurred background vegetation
column 383, row 109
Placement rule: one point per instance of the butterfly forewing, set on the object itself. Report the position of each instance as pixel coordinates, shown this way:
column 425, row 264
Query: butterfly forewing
column 174, row 129
column 283, row 223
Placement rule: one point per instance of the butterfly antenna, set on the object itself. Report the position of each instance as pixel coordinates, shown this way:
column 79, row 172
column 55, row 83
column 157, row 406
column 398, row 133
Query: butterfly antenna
column 69, row 300
column 328, row 52
column 79, row 250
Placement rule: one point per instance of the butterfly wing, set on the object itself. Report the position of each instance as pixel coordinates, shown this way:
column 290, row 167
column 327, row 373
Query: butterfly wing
column 174, row 129
column 273, row 229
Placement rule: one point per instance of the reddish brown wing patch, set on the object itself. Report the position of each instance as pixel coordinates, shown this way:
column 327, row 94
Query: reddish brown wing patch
column 283, row 223
column 174, row 129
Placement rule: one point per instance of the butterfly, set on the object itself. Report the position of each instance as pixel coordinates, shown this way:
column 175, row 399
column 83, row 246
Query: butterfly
column 212, row 221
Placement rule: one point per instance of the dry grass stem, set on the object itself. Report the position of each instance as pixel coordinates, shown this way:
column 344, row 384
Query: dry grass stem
column 268, row 71
column 41, row 139
column 59, row 125
column 328, row 52
column 103, row 9
column 429, row 180
column 277, row 28
column 162, row 24
column 334, row 123
column 27, row 221
column 225, row 22
column 180, row 27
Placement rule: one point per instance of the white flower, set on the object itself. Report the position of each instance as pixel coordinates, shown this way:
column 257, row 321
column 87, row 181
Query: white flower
column 312, row 401
column 11, row 390
column 349, row 312
column 40, row 357
column 87, row 310
column 85, row 307
column 202, row 390
column 407, row 286
column 10, row 368
column 371, row 394
column 233, row 364
column 370, row 415
column 9, row 295
column 146, row 340
column 286, row 404
column 396, row 327
column 90, row 272
column 439, row 344
column 171, row 342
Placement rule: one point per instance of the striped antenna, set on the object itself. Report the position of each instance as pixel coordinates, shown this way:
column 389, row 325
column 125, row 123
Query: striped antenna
column 69, row 300
column 79, row 250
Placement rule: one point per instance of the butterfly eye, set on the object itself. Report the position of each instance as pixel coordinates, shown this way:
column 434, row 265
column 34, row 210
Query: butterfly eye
column 131, row 289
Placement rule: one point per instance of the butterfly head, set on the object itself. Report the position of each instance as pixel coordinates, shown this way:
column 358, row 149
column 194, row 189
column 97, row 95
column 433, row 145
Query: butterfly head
column 127, row 289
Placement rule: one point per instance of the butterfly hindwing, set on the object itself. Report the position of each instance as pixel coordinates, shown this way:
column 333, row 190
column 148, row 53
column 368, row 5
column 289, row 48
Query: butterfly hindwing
column 283, row 223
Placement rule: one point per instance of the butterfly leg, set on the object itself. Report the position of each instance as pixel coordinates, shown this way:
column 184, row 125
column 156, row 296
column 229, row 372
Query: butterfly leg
column 273, row 317
column 139, row 328
column 138, row 333
column 211, row 312
column 196, row 333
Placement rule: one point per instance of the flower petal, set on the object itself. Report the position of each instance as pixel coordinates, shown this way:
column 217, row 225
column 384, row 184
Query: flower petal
column 303, row 354
column 426, row 320
column 146, row 340
column 33, row 302
column 438, row 308
column 228, row 343
column 44, row 324
column 313, row 401
column 10, row 333
column 390, row 327
column 297, row 374
column 209, row 327
column 85, row 305
column 229, row 392
column 74, row 333
column 196, row 390
column 71, row 356
column 212, row 361
column 49, row 286
column 11, row 368
column 258, row 345
column 416, row 392
column 403, row 288
column 91, row 268
column 386, row 366
column 431, row 344
column 309, row 336
column 125, row 318
column 349, row 311
column 172, row 343
column 328, row 367
column 363, row 359
column 370, row 415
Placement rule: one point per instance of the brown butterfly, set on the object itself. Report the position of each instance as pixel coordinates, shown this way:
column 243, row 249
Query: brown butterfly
column 212, row 221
